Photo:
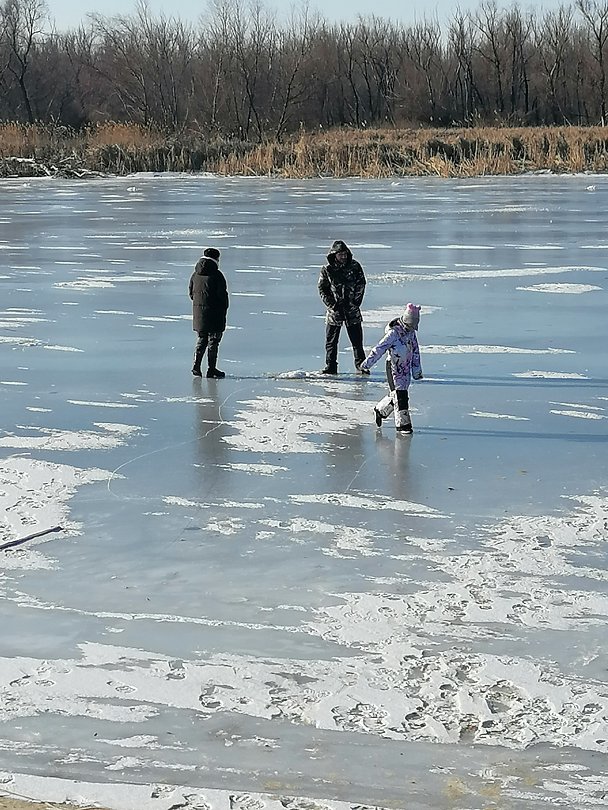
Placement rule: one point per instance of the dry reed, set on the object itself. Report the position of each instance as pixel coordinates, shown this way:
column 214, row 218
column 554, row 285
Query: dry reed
column 125, row 148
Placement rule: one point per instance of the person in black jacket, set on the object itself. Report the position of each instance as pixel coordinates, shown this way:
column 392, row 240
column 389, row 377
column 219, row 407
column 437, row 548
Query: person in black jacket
column 341, row 287
column 209, row 294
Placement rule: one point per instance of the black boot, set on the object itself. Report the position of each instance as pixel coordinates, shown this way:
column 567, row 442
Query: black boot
column 199, row 351
column 358, row 360
column 196, row 364
column 213, row 371
column 329, row 369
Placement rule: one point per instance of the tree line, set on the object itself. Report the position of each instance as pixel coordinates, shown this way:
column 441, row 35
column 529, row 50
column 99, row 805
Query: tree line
column 239, row 73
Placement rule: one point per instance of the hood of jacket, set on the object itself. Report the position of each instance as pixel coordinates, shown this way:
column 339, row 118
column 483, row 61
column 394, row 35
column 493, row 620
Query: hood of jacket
column 398, row 324
column 205, row 266
column 337, row 247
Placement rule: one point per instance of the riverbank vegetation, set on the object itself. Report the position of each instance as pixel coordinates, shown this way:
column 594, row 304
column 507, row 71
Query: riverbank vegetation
column 239, row 72
column 493, row 91
column 122, row 149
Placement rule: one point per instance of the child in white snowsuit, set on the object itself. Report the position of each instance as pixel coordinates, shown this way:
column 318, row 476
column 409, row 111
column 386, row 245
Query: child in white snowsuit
column 402, row 364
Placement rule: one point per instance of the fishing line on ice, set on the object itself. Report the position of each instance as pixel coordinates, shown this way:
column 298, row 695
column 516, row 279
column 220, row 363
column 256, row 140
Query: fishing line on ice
column 221, row 421
column 356, row 475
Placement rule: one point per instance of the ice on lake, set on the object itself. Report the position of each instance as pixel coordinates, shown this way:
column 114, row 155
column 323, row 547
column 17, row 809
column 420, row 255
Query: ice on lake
column 256, row 598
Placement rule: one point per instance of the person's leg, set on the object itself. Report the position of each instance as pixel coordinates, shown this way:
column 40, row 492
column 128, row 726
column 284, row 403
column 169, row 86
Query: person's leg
column 403, row 422
column 389, row 376
column 332, row 337
column 212, row 352
column 401, row 402
column 355, row 334
column 199, row 351
column 386, row 406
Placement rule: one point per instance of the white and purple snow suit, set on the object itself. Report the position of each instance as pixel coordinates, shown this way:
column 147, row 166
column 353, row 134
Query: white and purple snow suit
column 403, row 363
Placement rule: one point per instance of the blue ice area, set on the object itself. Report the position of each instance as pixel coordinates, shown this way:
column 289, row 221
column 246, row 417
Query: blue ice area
column 266, row 592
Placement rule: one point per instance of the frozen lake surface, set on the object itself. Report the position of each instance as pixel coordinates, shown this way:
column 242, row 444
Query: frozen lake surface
column 256, row 596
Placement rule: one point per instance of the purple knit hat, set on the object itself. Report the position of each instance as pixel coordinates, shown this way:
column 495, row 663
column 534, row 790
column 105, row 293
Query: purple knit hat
column 411, row 316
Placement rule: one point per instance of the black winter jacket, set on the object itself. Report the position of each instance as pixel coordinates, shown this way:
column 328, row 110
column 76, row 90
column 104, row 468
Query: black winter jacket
column 209, row 294
column 342, row 287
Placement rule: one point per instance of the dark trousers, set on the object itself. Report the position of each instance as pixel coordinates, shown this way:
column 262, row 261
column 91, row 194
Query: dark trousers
column 332, row 337
column 403, row 399
column 209, row 342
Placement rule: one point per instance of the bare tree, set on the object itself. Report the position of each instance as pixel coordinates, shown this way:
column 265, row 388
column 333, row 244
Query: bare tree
column 552, row 37
column 294, row 47
column 81, row 86
column 378, row 57
column 255, row 42
column 518, row 30
column 146, row 64
column 595, row 15
column 491, row 48
column 462, row 45
column 215, row 57
column 241, row 74
column 170, row 54
column 22, row 23
column 423, row 44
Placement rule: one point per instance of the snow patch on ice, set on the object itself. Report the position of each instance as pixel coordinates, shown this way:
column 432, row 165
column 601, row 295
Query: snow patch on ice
column 64, row 349
column 127, row 796
column 178, row 501
column 488, row 415
column 550, row 375
column 257, row 469
column 112, row 312
column 17, row 341
column 578, row 414
column 568, row 289
column 490, row 272
column 461, row 247
column 55, row 439
column 380, row 317
column 34, row 496
column 480, row 349
column 289, row 424
column 366, row 502
column 577, row 406
column 100, row 404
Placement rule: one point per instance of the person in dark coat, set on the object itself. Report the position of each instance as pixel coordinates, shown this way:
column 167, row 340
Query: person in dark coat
column 341, row 287
column 209, row 294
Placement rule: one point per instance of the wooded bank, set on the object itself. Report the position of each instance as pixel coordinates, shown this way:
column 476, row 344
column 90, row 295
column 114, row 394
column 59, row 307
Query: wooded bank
column 242, row 73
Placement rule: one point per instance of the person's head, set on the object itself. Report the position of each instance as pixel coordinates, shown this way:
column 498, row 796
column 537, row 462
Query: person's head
column 411, row 316
column 212, row 253
column 339, row 252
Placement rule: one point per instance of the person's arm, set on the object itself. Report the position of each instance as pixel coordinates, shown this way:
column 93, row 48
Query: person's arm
column 217, row 292
column 191, row 288
column 376, row 353
column 359, row 289
column 416, row 365
column 324, row 287
column 224, row 289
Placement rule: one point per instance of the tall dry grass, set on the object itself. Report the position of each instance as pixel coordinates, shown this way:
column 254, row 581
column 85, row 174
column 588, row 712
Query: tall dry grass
column 126, row 148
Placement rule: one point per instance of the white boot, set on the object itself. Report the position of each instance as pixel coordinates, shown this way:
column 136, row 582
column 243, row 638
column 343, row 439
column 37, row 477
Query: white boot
column 384, row 409
column 403, row 422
